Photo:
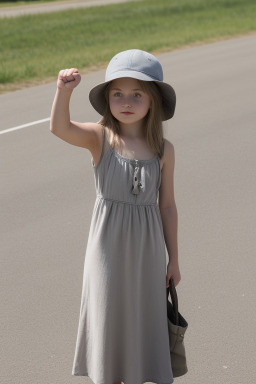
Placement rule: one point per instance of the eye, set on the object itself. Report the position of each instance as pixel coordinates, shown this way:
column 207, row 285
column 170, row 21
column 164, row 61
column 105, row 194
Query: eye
column 117, row 94
column 137, row 95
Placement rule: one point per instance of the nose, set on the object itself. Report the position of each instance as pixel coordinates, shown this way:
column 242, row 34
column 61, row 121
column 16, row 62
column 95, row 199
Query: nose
column 127, row 102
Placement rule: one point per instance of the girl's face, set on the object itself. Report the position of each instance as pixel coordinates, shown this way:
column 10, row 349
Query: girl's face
column 127, row 102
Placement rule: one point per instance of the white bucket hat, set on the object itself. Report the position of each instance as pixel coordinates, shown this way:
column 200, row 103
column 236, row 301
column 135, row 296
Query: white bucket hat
column 138, row 65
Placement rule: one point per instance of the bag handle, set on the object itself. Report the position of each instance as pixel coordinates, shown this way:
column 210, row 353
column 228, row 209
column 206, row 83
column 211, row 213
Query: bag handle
column 174, row 298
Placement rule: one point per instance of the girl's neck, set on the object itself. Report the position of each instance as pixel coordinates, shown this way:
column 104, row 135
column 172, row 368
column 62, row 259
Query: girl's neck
column 132, row 132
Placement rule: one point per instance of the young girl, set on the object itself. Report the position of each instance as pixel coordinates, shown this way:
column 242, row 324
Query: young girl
column 123, row 332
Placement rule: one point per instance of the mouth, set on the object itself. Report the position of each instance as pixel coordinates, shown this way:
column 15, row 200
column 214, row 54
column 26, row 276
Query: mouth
column 127, row 113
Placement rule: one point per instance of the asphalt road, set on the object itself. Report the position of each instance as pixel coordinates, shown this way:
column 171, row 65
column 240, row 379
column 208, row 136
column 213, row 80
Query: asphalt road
column 57, row 6
column 47, row 197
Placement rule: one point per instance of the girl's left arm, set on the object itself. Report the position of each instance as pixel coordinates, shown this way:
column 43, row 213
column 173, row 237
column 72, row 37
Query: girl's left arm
column 169, row 213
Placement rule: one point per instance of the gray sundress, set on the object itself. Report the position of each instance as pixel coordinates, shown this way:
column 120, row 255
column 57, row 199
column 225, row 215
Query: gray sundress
column 123, row 331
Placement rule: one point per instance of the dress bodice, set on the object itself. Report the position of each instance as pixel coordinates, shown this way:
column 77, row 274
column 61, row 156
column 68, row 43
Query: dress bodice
column 127, row 180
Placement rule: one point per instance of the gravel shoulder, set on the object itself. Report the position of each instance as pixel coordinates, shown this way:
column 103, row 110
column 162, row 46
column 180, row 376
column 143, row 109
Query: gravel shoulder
column 54, row 7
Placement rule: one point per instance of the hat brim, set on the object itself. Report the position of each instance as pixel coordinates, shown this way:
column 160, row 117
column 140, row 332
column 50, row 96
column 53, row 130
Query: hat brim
column 98, row 101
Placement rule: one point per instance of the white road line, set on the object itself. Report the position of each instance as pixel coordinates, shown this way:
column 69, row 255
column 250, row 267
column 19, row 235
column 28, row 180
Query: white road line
column 25, row 125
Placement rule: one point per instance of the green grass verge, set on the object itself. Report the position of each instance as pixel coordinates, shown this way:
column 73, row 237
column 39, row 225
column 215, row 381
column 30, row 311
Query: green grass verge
column 36, row 47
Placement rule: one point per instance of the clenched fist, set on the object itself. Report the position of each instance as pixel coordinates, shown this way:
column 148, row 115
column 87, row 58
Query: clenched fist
column 68, row 78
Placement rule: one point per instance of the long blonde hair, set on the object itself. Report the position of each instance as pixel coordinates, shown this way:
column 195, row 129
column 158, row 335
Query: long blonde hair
column 153, row 119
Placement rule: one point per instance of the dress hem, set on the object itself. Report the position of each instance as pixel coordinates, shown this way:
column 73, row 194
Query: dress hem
column 148, row 380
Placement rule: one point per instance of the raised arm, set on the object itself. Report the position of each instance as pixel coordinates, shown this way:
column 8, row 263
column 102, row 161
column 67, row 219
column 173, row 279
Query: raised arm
column 86, row 135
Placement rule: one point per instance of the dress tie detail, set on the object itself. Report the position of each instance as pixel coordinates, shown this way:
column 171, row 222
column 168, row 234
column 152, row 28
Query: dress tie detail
column 136, row 186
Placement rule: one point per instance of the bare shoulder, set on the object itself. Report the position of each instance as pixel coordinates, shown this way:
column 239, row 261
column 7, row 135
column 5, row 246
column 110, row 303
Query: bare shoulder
column 90, row 135
column 98, row 130
column 95, row 129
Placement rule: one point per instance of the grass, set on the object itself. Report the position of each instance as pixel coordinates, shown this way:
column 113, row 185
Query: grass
column 35, row 47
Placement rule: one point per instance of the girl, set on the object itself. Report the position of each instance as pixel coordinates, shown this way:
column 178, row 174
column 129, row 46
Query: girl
column 123, row 332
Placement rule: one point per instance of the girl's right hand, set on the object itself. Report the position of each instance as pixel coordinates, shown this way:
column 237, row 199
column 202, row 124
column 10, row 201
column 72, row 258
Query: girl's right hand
column 68, row 78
